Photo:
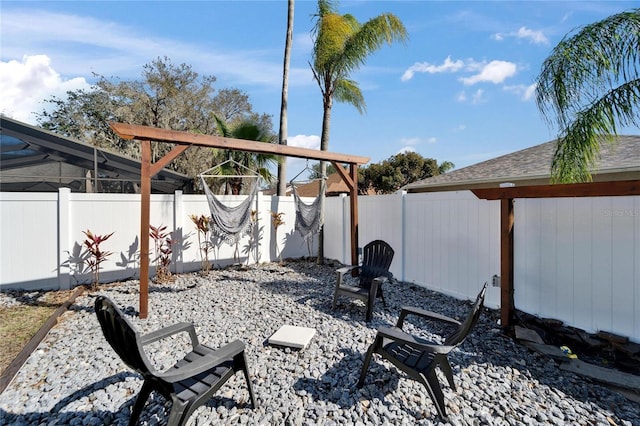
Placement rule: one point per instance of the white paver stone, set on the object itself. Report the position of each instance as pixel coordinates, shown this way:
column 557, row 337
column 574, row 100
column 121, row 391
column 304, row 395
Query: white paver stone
column 292, row 336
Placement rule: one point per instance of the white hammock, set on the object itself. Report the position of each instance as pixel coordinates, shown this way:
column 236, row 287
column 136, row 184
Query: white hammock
column 230, row 222
column 308, row 217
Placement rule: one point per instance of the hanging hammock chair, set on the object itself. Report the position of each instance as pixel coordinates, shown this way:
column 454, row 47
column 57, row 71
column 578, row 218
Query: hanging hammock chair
column 230, row 223
column 308, row 216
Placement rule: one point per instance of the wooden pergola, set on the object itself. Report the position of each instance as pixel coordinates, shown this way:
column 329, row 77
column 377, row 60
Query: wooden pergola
column 183, row 140
column 507, row 221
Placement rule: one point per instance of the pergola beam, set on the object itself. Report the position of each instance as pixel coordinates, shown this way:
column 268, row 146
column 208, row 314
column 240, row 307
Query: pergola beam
column 183, row 141
column 131, row 131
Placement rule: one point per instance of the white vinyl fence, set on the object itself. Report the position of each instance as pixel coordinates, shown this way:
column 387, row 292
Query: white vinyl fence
column 41, row 235
column 576, row 259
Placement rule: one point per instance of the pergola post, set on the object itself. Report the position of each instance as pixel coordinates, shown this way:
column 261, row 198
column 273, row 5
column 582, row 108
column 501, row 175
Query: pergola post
column 145, row 207
column 507, row 220
column 353, row 212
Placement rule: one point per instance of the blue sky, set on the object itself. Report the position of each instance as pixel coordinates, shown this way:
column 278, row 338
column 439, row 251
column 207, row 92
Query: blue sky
column 460, row 90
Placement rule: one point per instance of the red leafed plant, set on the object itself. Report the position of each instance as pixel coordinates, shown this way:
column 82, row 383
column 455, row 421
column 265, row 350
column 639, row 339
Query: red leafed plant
column 204, row 243
column 163, row 242
column 95, row 255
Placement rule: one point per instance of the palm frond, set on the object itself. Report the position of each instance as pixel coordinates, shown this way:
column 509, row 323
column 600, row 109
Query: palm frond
column 577, row 150
column 590, row 82
column 348, row 91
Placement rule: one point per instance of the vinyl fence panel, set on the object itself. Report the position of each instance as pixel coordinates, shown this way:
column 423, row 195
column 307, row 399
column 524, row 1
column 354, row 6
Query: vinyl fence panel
column 578, row 260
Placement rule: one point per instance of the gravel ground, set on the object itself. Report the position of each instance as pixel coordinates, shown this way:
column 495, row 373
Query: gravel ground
column 75, row 378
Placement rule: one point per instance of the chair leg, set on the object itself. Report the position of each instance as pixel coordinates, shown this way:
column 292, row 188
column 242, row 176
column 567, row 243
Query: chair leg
column 446, row 369
column 367, row 360
column 384, row 302
column 335, row 296
column 141, row 400
column 430, row 382
column 370, row 302
column 177, row 416
column 245, row 370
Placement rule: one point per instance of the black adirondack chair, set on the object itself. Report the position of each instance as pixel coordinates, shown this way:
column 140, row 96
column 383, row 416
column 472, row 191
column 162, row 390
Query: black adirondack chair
column 190, row 383
column 373, row 273
column 419, row 358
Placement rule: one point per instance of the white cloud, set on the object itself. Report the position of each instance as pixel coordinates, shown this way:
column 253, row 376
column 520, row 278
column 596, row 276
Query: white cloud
column 25, row 85
column 535, row 37
column 405, row 150
column 304, row 141
column 432, row 140
column 297, row 165
column 447, row 66
column 493, row 72
column 459, row 128
column 410, row 141
column 525, row 92
column 79, row 45
column 477, row 97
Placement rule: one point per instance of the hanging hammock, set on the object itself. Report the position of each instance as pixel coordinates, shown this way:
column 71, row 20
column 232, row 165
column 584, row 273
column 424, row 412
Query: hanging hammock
column 308, row 217
column 230, row 223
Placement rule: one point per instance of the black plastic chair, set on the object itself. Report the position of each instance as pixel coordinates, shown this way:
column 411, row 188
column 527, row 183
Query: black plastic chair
column 419, row 358
column 190, row 383
column 373, row 273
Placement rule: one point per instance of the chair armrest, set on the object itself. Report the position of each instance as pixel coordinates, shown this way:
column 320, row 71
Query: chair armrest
column 406, row 310
column 346, row 269
column 342, row 271
column 204, row 363
column 377, row 283
column 165, row 332
column 398, row 335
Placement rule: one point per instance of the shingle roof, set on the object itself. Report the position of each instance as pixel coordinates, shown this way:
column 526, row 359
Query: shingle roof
column 532, row 165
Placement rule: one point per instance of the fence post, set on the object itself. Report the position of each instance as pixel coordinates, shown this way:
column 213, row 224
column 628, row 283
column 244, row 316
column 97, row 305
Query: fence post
column 260, row 205
column 178, row 231
column 403, row 208
column 64, row 237
column 346, row 242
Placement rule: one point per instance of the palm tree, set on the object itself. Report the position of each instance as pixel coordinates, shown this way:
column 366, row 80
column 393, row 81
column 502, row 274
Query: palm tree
column 282, row 138
column 243, row 162
column 589, row 85
column 341, row 45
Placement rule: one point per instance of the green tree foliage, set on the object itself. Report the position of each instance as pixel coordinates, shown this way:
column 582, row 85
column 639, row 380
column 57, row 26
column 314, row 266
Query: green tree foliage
column 167, row 96
column 316, row 173
column 242, row 162
column 588, row 86
column 397, row 171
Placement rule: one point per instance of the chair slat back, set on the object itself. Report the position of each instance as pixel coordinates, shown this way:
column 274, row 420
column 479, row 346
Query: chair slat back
column 467, row 325
column 376, row 261
column 120, row 334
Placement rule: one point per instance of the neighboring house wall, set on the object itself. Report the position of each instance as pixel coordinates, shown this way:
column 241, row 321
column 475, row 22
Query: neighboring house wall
column 576, row 259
